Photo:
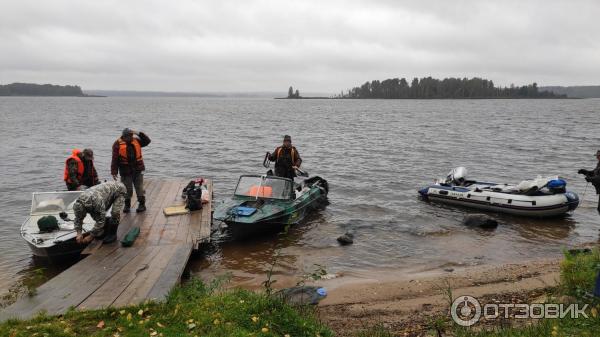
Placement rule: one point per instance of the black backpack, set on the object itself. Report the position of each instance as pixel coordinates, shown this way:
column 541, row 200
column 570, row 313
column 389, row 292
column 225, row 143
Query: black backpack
column 193, row 196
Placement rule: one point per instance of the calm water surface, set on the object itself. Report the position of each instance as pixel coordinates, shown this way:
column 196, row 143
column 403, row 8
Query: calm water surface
column 374, row 153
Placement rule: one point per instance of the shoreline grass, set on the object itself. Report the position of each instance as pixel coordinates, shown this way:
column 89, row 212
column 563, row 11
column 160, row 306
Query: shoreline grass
column 198, row 309
column 194, row 309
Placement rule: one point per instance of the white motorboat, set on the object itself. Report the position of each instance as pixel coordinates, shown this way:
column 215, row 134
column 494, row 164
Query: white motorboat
column 59, row 242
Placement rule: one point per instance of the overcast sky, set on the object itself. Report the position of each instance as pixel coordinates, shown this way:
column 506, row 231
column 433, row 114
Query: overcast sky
column 315, row 45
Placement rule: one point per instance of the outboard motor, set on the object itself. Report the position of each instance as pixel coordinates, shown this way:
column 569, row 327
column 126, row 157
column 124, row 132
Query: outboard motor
column 457, row 176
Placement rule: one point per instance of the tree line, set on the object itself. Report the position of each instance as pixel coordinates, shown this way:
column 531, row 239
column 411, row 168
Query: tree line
column 428, row 87
column 30, row 89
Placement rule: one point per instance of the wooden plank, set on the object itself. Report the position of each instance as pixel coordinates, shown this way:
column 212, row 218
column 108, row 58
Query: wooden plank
column 203, row 235
column 28, row 306
column 111, row 289
column 169, row 232
column 73, row 286
column 200, row 224
column 150, row 216
column 171, row 275
column 92, row 247
column 183, row 230
column 141, row 285
column 129, row 220
column 159, row 223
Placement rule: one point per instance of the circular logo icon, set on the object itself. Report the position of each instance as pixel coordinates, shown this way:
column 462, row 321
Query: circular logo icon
column 466, row 310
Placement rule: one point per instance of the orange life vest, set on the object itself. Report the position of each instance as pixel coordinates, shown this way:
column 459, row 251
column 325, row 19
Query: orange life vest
column 80, row 168
column 123, row 151
column 293, row 153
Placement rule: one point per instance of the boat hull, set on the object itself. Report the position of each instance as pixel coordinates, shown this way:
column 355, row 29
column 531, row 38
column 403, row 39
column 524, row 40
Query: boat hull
column 540, row 206
column 277, row 223
column 62, row 250
column 272, row 215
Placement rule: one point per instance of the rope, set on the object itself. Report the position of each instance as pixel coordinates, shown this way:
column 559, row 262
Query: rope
column 583, row 197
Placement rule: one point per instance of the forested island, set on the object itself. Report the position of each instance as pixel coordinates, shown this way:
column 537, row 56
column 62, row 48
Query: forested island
column 432, row 88
column 30, row 89
column 296, row 95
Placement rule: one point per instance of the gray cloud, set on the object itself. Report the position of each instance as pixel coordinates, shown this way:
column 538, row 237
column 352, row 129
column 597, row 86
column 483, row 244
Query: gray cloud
column 322, row 46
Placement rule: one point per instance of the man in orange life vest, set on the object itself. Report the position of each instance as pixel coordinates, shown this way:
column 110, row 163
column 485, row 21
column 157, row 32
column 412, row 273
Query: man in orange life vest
column 127, row 160
column 80, row 170
column 286, row 158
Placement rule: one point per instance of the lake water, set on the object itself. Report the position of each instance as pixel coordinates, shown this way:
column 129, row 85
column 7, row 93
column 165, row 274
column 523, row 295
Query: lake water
column 374, row 153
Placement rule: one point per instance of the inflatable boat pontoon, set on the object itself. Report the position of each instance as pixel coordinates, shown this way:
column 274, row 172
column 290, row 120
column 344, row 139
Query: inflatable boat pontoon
column 541, row 197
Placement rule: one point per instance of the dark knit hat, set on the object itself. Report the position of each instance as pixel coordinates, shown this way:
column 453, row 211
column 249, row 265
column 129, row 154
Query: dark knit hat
column 126, row 132
column 88, row 153
column 287, row 138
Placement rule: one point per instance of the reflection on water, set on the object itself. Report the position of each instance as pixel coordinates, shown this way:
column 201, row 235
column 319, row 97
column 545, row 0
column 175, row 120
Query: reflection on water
column 374, row 153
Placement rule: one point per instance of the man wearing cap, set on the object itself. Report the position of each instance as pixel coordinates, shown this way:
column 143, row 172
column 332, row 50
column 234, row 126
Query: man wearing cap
column 127, row 161
column 593, row 176
column 96, row 201
column 90, row 176
column 286, row 158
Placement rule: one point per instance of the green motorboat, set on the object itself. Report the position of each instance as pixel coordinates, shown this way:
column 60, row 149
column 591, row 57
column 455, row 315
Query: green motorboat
column 267, row 203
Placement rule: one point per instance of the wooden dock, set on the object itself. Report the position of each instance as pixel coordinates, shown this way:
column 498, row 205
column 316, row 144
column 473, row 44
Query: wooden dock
column 115, row 276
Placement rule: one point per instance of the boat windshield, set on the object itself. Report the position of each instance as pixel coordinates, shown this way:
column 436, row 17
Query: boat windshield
column 264, row 187
column 53, row 202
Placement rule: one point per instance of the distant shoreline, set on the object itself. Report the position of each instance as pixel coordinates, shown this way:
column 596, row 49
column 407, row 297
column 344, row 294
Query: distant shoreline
column 82, row 96
column 316, row 97
column 41, row 90
column 429, row 99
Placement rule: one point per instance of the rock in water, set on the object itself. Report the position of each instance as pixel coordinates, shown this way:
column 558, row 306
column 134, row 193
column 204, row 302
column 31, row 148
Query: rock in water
column 346, row 239
column 480, row 220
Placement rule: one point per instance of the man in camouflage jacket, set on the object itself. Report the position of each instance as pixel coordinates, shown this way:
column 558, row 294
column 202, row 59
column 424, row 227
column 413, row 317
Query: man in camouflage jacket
column 96, row 201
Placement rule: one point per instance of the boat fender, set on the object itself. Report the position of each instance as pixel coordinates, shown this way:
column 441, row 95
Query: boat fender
column 130, row 237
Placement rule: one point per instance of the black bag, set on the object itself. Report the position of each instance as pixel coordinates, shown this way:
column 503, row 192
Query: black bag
column 193, row 196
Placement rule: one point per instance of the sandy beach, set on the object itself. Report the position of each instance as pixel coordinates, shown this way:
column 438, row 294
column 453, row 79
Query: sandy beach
column 407, row 303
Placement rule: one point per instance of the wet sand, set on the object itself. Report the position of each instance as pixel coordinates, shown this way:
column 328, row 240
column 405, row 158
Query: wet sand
column 407, row 303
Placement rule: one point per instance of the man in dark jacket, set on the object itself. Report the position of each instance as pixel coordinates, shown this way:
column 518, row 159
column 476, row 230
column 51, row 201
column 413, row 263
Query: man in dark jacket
column 127, row 161
column 593, row 177
column 80, row 170
column 90, row 176
column 286, row 158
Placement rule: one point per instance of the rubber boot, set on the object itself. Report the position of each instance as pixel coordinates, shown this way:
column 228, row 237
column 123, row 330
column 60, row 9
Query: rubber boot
column 141, row 204
column 111, row 233
column 127, row 206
